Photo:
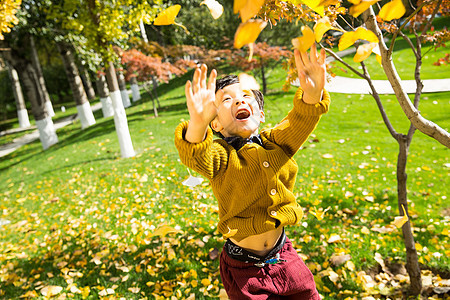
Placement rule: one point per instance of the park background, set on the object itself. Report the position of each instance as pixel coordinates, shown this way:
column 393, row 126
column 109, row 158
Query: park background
column 80, row 221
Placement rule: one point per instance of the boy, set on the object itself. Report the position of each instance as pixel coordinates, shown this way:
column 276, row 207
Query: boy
column 252, row 176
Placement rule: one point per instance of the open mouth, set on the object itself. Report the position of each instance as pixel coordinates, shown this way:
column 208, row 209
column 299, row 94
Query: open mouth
column 242, row 114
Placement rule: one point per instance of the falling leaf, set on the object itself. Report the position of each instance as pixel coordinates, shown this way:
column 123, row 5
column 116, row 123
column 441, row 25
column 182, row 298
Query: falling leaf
column 192, row 181
column 361, row 7
column 319, row 213
column 350, row 37
column 167, row 16
column 315, row 5
column 364, row 52
column 401, row 220
column 392, row 10
column 230, row 233
column 247, row 8
column 322, row 26
column 248, row 32
column 164, row 230
column 214, row 7
column 304, row 42
column 248, row 82
column 51, row 291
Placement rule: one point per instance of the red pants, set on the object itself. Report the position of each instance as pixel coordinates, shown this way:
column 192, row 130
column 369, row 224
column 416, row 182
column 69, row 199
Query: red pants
column 285, row 280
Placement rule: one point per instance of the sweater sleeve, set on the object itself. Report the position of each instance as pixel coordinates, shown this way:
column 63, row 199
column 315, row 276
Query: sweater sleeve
column 207, row 158
column 295, row 128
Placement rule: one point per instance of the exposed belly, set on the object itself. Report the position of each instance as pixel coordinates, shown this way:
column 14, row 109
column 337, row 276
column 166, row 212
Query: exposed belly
column 260, row 244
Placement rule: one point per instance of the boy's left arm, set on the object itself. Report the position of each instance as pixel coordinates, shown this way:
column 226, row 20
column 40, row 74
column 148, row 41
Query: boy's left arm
column 310, row 102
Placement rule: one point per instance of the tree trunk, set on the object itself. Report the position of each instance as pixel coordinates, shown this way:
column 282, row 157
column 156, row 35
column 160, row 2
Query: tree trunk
column 135, row 89
column 123, row 90
column 33, row 88
column 263, row 76
column 412, row 264
column 37, row 66
column 120, row 117
column 83, row 107
column 425, row 126
column 103, row 93
column 22, row 113
column 90, row 92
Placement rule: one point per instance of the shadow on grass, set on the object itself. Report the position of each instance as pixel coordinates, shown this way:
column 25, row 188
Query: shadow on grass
column 92, row 259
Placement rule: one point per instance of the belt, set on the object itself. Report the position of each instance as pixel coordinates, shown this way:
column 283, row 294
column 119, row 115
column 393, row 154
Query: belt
column 236, row 252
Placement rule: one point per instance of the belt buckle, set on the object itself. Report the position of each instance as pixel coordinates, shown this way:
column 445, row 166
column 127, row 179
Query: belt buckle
column 270, row 261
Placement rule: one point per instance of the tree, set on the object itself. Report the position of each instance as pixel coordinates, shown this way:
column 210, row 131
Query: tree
column 22, row 113
column 8, row 9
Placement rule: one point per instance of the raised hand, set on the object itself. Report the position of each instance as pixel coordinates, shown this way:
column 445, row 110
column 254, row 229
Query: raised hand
column 200, row 99
column 311, row 73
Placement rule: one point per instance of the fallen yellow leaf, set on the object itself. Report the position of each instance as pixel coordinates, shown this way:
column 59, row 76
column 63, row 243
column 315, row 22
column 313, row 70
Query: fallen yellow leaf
column 164, row 230
column 215, row 8
column 392, row 10
column 51, row 290
column 319, row 213
column 304, row 42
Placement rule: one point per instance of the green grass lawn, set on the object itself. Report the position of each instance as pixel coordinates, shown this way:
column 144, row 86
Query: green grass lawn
column 83, row 219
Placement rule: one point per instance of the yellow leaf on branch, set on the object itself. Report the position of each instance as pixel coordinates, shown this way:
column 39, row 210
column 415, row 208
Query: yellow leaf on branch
column 364, row 52
column 401, row 220
column 304, row 42
column 392, row 10
column 247, row 9
column 361, row 33
column 214, row 7
column 315, row 5
column 360, row 6
column 322, row 26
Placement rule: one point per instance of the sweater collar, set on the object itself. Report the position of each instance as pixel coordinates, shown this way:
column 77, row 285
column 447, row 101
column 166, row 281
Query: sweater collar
column 238, row 142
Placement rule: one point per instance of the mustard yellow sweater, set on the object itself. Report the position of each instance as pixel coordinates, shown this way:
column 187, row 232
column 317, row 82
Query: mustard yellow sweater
column 254, row 185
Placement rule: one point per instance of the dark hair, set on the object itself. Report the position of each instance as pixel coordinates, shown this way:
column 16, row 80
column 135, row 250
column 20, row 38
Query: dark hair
column 232, row 79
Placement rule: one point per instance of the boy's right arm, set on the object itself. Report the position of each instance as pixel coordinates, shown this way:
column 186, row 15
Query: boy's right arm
column 200, row 100
column 193, row 139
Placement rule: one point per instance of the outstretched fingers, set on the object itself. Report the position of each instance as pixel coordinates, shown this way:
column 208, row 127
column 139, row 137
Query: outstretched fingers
column 299, row 63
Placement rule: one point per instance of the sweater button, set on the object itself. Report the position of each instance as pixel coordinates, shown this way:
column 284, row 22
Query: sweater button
column 273, row 213
column 273, row 192
column 266, row 164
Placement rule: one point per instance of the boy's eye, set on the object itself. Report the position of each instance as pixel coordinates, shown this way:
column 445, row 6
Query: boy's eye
column 225, row 99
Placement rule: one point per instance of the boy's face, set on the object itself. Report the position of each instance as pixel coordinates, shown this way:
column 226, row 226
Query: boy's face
column 238, row 112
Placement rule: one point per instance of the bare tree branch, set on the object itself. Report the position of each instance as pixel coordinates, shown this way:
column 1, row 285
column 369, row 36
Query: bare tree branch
column 344, row 63
column 425, row 126
column 376, row 96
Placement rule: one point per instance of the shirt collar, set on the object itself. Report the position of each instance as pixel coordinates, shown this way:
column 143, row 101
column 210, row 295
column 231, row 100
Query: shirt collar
column 238, row 142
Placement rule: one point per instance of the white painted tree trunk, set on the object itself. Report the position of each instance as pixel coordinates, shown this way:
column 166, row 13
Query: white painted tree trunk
column 135, row 92
column 121, row 124
column 49, row 108
column 85, row 114
column 107, row 108
column 47, row 132
column 125, row 98
column 24, row 120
